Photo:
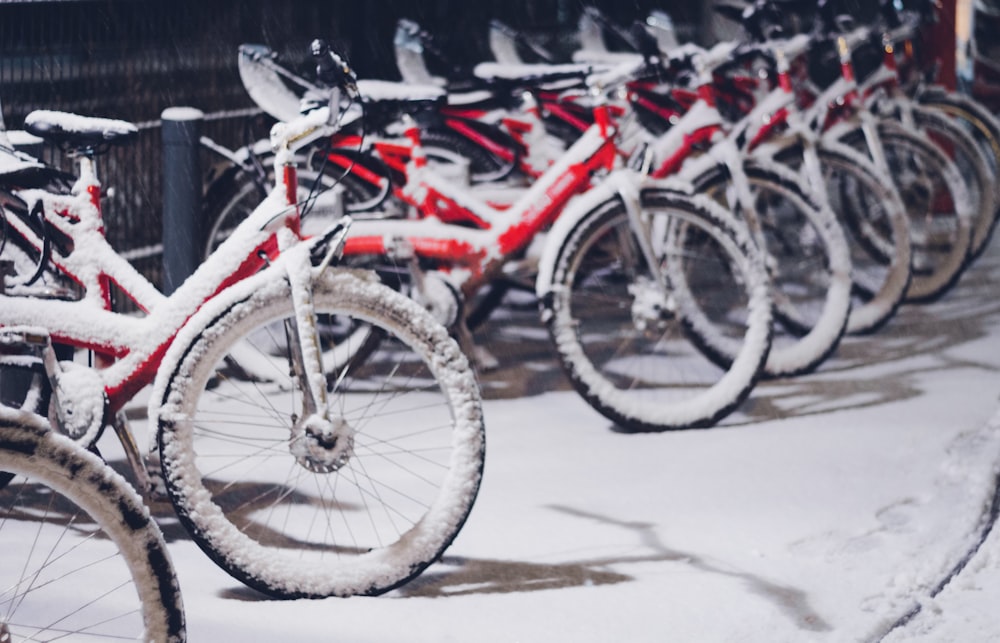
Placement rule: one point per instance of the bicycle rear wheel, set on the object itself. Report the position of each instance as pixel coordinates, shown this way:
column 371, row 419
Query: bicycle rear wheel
column 82, row 558
column 291, row 516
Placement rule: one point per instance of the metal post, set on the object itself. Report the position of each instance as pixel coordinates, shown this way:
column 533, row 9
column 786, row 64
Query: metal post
column 183, row 228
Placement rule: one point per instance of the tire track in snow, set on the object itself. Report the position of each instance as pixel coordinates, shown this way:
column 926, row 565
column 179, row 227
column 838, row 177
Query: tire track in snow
column 991, row 518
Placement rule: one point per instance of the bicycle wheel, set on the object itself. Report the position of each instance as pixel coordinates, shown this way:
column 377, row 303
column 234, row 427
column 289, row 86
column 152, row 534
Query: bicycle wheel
column 808, row 261
column 82, row 558
column 962, row 149
column 937, row 204
column 621, row 327
column 878, row 233
column 291, row 516
column 442, row 146
column 984, row 128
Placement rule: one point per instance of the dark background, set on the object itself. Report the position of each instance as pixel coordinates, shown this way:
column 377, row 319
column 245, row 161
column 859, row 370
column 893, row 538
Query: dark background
column 133, row 58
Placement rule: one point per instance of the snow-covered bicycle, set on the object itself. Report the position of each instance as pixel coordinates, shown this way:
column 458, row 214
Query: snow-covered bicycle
column 82, row 556
column 304, row 460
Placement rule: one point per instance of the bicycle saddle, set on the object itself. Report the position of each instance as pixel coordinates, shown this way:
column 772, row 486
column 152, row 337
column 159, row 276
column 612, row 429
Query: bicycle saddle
column 78, row 132
column 531, row 74
column 386, row 101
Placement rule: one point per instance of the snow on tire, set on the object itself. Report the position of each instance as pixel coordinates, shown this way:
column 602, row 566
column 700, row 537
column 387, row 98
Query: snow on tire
column 360, row 517
column 622, row 334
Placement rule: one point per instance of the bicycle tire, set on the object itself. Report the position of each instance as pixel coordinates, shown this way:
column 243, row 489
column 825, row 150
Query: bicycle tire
column 83, row 555
column 985, row 129
column 937, row 203
column 808, row 261
column 484, row 167
column 973, row 165
column 623, row 339
column 878, row 231
column 418, row 422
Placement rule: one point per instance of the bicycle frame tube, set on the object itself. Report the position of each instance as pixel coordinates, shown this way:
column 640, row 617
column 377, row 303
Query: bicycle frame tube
column 139, row 343
column 509, row 231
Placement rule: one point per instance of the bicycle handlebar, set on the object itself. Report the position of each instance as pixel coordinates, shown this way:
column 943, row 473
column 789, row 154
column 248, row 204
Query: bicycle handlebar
column 301, row 131
column 331, row 69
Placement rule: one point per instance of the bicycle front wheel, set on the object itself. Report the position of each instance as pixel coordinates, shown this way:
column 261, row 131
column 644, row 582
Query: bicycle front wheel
column 82, row 557
column 622, row 327
column 296, row 517
column 937, row 202
column 807, row 258
column 878, row 232
column 961, row 148
column 984, row 128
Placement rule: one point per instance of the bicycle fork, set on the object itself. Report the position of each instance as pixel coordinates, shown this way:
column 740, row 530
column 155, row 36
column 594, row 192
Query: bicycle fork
column 652, row 298
column 320, row 441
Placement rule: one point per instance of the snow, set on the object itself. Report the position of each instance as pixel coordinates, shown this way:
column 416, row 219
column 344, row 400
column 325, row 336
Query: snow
column 383, row 90
column 826, row 509
column 182, row 114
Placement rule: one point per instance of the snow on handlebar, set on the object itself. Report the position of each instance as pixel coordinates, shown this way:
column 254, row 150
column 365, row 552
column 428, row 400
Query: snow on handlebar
column 301, row 131
column 614, row 77
column 856, row 37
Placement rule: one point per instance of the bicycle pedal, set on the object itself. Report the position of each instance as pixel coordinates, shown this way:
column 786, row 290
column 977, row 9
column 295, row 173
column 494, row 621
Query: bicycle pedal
column 43, row 292
column 23, row 337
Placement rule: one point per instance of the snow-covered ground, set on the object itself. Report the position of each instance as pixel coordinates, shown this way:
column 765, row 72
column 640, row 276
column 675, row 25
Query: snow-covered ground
column 832, row 507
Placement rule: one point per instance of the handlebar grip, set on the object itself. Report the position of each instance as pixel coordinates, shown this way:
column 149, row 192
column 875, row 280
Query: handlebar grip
column 331, row 69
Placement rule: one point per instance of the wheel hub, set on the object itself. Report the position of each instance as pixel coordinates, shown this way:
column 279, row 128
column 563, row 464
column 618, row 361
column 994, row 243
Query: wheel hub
column 322, row 445
column 651, row 304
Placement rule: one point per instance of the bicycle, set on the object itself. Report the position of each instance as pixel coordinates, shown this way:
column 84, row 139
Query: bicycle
column 273, row 338
column 899, row 36
column 82, row 556
column 462, row 244
column 774, row 130
column 939, row 245
column 356, row 178
column 805, row 248
column 872, row 56
column 815, row 333
column 938, row 202
column 879, row 286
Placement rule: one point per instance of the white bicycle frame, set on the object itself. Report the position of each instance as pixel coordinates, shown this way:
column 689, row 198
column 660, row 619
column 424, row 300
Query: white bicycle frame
column 132, row 346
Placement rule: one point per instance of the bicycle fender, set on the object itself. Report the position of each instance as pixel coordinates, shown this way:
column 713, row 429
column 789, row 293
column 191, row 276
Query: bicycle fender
column 575, row 212
column 259, row 285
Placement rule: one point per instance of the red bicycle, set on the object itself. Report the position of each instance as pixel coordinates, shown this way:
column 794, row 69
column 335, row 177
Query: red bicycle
column 275, row 425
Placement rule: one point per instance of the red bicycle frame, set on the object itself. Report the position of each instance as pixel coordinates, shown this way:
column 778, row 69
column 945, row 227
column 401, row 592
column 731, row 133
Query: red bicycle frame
column 465, row 236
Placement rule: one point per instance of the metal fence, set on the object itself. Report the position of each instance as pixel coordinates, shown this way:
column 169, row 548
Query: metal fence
column 131, row 59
